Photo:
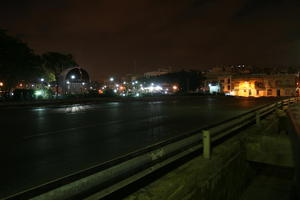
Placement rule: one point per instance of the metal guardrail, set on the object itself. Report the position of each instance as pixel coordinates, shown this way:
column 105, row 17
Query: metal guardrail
column 104, row 179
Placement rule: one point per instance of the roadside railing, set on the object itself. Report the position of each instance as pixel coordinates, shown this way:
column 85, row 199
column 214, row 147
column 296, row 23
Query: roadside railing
column 106, row 178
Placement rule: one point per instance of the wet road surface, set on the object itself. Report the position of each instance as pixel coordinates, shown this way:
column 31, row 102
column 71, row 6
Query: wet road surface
column 44, row 143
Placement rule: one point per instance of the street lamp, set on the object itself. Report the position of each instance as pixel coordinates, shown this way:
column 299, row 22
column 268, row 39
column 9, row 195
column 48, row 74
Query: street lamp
column 73, row 77
column 111, row 79
column 1, row 84
column 42, row 79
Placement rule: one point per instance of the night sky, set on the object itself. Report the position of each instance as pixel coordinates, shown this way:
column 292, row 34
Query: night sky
column 108, row 36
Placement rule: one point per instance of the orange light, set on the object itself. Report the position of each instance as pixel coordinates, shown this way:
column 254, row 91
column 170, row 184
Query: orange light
column 1, row 84
column 175, row 87
column 100, row 91
column 122, row 88
column 21, row 85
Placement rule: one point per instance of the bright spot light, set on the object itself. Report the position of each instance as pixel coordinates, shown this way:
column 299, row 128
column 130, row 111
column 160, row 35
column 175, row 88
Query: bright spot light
column 68, row 82
column 137, row 95
column 83, row 83
column 73, row 77
column 1, row 84
column 38, row 93
column 136, row 81
column 115, row 91
column 42, row 79
column 117, row 85
column 158, row 88
column 152, row 84
column 175, row 87
column 21, row 85
column 111, row 79
column 124, row 82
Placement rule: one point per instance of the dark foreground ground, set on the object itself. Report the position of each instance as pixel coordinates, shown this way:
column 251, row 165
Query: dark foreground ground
column 39, row 144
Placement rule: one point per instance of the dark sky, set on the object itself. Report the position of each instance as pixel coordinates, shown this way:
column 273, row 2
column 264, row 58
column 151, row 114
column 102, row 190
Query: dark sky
column 107, row 36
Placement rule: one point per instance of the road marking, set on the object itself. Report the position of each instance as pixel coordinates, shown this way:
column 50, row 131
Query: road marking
column 89, row 126
column 71, row 129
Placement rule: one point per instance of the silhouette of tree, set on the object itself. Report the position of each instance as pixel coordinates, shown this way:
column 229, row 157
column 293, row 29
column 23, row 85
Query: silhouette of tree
column 17, row 61
column 55, row 62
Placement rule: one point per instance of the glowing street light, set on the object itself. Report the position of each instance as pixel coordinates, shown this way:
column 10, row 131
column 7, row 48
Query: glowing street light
column 175, row 87
column 42, row 79
column 1, row 84
column 73, row 76
column 111, row 79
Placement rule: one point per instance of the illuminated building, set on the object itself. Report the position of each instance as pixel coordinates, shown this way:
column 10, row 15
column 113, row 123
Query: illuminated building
column 263, row 85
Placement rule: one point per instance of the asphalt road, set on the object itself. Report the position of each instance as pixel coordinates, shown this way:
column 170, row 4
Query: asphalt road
column 40, row 144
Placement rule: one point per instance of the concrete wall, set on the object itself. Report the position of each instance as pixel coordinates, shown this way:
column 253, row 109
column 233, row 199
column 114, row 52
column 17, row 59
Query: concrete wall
column 224, row 177
column 227, row 173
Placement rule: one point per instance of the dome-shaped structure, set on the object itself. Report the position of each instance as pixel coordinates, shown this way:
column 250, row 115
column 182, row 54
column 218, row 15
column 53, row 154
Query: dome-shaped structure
column 74, row 81
column 75, row 74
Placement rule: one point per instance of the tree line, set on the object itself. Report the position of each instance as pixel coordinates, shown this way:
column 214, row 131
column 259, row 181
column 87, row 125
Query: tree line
column 18, row 62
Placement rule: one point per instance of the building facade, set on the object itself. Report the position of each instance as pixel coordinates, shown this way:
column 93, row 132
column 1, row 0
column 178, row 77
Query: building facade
column 261, row 85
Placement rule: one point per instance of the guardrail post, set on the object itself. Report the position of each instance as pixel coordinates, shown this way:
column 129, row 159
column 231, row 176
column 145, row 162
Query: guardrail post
column 278, row 105
column 206, row 144
column 257, row 117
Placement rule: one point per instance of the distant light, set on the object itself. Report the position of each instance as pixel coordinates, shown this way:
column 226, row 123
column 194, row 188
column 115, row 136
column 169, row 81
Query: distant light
column 117, row 85
column 1, row 84
column 21, row 85
column 38, row 93
column 115, row 91
column 49, row 85
column 32, row 85
column 123, row 95
column 42, row 79
column 111, row 79
column 137, row 95
column 124, row 82
column 152, row 84
column 73, row 76
column 83, row 83
column 100, row 92
column 158, row 88
column 91, row 87
column 68, row 82
column 175, row 87
column 136, row 81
